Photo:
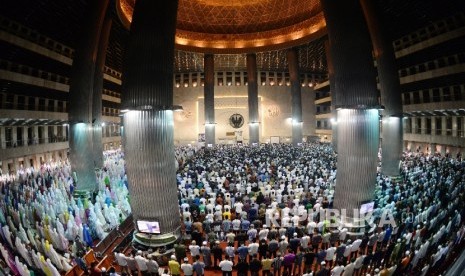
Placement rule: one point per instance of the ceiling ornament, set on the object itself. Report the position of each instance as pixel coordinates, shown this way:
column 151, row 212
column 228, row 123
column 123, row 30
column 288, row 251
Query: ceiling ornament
column 225, row 26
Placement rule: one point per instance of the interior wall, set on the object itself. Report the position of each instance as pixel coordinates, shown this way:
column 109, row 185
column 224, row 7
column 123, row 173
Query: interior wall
column 274, row 112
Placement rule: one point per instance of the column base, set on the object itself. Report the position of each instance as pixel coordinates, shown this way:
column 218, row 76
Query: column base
column 83, row 194
column 155, row 241
column 160, row 245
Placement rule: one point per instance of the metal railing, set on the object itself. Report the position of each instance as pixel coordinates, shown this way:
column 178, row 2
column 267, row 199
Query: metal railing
column 33, row 72
column 7, row 144
column 437, row 28
column 441, row 62
column 111, row 93
column 44, row 41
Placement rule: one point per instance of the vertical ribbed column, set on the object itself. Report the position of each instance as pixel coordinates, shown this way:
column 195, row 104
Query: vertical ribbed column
column 252, row 90
column 209, row 99
column 356, row 101
column 148, row 123
column 149, row 154
column 80, row 97
column 354, row 73
column 97, row 97
column 46, row 135
column 391, row 99
column 3, row 137
column 332, row 87
column 296, row 96
column 26, row 134
column 356, row 159
column 14, row 135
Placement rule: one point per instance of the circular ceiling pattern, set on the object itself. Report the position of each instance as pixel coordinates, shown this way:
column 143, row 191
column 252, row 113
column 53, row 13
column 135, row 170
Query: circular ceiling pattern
column 237, row 26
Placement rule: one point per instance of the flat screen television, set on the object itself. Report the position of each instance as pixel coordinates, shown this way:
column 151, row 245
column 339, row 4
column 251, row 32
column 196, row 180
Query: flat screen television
column 148, row 227
column 367, row 207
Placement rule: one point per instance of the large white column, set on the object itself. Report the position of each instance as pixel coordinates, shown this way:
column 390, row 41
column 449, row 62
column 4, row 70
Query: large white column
column 356, row 102
column 81, row 96
column 389, row 83
column 147, row 95
column 97, row 94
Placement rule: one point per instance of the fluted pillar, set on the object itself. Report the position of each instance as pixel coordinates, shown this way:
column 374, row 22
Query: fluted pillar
column 147, row 101
column 26, row 136
column 356, row 103
column 296, row 96
column 45, row 133
column 97, row 95
column 252, row 90
column 332, row 89
column 2, row 138
column 209, row 99
column 80, row 97
column 391, row 99
column 14, row 136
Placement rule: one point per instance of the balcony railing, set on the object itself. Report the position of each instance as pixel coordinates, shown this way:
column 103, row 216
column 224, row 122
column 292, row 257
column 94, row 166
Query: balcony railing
column 33, row 72
column 32, row 141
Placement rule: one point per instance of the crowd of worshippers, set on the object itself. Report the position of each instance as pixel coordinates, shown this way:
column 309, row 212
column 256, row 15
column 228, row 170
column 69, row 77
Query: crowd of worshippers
column 44, row 229
column 226, row 193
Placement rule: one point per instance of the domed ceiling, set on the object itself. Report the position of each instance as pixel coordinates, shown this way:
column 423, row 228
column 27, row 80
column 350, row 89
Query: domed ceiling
column 237, row 26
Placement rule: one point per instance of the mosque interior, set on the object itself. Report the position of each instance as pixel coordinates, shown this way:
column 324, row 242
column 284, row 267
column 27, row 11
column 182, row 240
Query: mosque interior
column 370, row 79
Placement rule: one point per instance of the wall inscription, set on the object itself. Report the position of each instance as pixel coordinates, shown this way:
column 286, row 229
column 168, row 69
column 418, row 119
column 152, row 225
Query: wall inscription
column 273, row 111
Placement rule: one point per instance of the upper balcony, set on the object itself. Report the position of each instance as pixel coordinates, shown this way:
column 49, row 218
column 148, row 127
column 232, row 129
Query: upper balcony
column 433, row 34
column 29, row 39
